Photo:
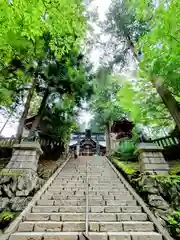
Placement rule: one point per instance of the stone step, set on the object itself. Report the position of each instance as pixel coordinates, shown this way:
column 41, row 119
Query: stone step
column 128, row 226
column 92, row 209
column 95, row 192
column 81, row 217
column 71, row 184
column 92, row 202
column 92, row 235
column 125, row 236
column 45, row 236
column 116, row 209
column 83, row 197
column 51, row 226
column 53, row 190
column 71, row 226
column 63, row 202
column 90, row 193
column 121, row 202
column 51, row 209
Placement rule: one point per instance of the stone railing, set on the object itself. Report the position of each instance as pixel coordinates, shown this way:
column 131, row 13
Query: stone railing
column 166, row 142
column 9, row 142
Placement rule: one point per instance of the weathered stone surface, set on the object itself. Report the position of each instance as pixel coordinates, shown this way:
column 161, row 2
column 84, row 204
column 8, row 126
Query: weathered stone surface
column 73, row 226
column 26, row 236
column 45, row 209
column 4, row 202
column 119, row 236
column 102, row 217
column 98, row 236
column 157, row 202
column 47, row 226
column 138, row 226
column 45, row 202
column 8, row 192
column 97, row 209
column 146, row 236
column 61, row 236
column 94, row 227
column 131, row 209
column 111, row 227
column 72, row 209
column 19, row 203
column 37, row 217
column 112, row 209
column 121, row 202
column 26, row 227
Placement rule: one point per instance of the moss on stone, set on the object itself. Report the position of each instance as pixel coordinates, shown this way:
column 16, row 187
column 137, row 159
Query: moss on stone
column 126, row 166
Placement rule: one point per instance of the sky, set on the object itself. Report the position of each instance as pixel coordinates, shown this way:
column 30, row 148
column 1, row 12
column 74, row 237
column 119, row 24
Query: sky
column 102, row 7
column 85, row 116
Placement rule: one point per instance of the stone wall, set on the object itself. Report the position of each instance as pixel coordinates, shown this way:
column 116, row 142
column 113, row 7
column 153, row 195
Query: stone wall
column 161, row 193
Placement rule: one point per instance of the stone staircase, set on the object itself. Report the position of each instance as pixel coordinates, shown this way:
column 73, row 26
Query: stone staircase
column 61, row 211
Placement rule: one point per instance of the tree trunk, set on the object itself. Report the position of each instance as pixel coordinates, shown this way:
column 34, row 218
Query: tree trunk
column 168, row 100
column 25, row 112
column 108, row 137
column 37, row 119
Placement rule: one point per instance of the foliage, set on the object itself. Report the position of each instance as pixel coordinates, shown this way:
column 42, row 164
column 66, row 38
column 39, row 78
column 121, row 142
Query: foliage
column 129, row 32
column 64, row 88
column 103, row 102
column 176, row 169
column 6, row 216
column 31, row 30
column 128, row 167
column 127, row 147
column 123, row 27
column 174, row 224
column 168, row 180
column 126, row 151
column 142, row 103
column 24, row 25
column 160, row 46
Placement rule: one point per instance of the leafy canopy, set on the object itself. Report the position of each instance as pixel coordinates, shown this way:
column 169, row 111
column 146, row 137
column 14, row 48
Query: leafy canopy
column 25, row 25
column 161, row 45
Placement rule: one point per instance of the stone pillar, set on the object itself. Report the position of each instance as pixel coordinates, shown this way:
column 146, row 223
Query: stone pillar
column 25, row 156
column 151, row 159
column 19, row 180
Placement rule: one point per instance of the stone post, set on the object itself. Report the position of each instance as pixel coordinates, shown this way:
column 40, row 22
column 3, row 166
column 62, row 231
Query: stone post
column 19, row 180
column 151, row 159
column 25, row 156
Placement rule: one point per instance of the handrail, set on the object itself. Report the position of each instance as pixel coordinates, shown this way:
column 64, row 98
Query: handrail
column 86, row 236
column 87, row 199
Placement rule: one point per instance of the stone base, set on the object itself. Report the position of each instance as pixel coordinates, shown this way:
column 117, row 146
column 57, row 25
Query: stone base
column 151, row 159
column 19, row 180
column 17, row 187
column 25, row 156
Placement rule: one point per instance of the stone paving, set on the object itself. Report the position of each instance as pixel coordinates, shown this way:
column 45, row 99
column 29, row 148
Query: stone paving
column 113, row 213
